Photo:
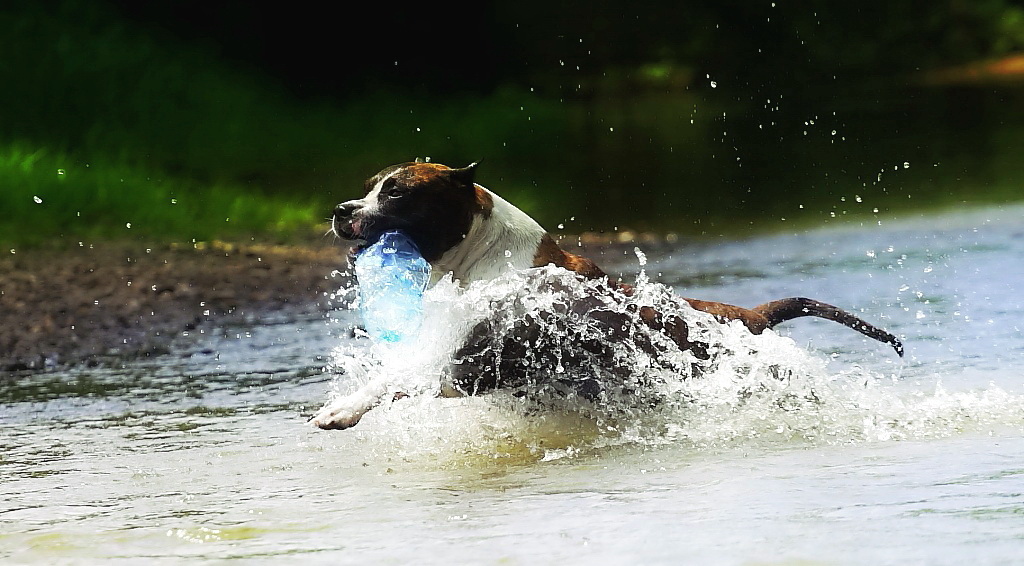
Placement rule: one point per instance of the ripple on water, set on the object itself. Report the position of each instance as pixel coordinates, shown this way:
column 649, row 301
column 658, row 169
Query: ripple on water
column 761, row 390
column 787, row 441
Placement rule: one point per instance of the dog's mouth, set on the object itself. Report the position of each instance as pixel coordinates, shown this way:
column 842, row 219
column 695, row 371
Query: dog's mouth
column 348, row 229
column 360, row 232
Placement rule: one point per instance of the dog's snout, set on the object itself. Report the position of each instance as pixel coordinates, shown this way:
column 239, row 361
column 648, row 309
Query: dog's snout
column 345, row 210
column 345, row 221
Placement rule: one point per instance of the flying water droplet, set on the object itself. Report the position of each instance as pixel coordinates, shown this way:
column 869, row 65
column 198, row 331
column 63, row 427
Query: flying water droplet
column 641, row 256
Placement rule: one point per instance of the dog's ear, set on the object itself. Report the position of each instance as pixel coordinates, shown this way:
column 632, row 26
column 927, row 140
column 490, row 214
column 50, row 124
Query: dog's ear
column 466, row 174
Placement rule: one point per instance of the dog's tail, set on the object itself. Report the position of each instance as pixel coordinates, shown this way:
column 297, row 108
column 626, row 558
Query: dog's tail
column 787, row 309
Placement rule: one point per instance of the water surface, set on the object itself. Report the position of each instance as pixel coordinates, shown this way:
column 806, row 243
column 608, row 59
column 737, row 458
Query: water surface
column 856, row 458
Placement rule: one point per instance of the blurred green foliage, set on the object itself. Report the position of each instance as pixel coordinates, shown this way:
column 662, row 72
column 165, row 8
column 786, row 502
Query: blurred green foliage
column 49, row 194
column 691, row 117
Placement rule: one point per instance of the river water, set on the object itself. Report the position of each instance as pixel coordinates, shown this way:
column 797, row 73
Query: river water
column 857, row 457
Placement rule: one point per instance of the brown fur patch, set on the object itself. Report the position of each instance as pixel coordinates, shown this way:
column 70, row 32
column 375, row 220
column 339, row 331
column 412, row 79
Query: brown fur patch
column 423, row 173
column 754, row 322
column 432, row 203
column 484, row 201
column 549, row 253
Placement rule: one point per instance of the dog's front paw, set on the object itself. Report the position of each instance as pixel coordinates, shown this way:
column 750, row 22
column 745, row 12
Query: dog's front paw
column 335, row 416
column 345, row 412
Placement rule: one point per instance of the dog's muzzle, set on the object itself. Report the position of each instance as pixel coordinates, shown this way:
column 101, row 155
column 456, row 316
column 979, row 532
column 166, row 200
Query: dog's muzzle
column 343, row 221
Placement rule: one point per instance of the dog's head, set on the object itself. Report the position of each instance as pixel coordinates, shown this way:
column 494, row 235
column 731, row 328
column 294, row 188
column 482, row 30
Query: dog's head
column 432, row 203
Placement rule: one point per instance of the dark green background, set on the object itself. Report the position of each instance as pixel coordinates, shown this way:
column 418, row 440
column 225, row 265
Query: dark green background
column 172, row 120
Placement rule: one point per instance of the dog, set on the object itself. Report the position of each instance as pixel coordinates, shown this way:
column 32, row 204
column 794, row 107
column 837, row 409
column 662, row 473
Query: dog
column 471, row 233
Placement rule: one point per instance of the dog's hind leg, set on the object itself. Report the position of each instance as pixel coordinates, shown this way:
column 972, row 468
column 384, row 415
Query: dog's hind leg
column 755, row 322
column 795, row 307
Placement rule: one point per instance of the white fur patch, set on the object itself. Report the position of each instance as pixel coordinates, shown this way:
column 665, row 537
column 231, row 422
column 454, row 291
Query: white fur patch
column 506, row 240
column 371, row 202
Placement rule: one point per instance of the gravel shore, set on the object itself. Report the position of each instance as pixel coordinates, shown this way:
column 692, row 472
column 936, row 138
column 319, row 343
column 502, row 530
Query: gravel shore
column 98, row 302
column 109, row 300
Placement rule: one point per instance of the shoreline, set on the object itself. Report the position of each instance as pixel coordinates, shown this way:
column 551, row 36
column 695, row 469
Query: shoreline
column 116, row 300
column 109, row 301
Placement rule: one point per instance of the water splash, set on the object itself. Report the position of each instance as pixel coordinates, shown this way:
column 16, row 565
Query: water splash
column 759, row 390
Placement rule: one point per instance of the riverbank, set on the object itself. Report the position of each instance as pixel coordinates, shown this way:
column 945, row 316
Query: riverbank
column 97, row 303
column 107, row 302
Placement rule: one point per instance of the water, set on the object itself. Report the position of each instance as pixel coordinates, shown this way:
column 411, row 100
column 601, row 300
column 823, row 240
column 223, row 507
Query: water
column 855, row 458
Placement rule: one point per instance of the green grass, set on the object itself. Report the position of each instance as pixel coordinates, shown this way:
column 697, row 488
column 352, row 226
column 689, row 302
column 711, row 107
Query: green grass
column 109, row 132
column 106, row 126
column 168, row 138
column 51, row 196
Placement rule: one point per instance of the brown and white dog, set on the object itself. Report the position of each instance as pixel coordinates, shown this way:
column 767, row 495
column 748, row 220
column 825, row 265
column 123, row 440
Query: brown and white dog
column 468, row 231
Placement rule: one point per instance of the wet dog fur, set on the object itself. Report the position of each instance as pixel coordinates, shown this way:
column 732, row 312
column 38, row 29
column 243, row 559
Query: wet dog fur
column 464, row 229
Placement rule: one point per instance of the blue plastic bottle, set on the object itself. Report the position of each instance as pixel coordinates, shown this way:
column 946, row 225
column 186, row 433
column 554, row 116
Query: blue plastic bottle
column 392, row 277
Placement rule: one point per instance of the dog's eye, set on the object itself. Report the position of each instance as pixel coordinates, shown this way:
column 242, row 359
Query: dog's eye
column 395, row 192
